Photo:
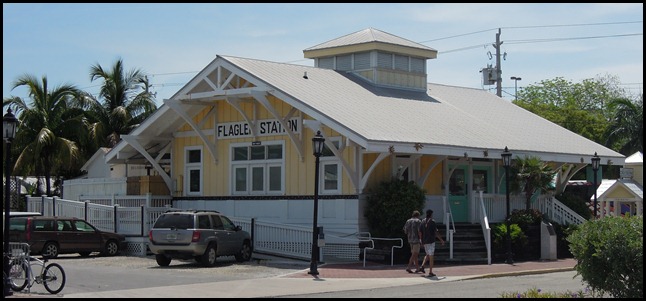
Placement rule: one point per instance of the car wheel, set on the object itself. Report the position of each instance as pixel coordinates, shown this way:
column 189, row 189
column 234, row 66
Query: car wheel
column 245, row 252
column 50, row 250
column 84, row 254
column 208, row 258
column 162, row 260
column 111, row 248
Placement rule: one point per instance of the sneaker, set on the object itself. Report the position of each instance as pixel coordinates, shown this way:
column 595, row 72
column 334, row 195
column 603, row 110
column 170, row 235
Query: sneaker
column 431, row 275
column 421, row 270
column 409, row 270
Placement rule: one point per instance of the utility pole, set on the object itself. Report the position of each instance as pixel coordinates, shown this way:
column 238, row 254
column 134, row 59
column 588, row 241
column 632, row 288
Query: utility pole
column 498, row 70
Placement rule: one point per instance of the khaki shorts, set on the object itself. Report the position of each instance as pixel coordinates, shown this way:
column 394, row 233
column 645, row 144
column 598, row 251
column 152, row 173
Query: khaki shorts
column 414, row 247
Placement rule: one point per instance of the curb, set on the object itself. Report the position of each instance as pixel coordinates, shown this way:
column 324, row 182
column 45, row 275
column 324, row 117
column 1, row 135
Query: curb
column 521, row 273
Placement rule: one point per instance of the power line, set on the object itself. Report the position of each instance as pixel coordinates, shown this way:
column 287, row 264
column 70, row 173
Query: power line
column 482, row 45
column 570, row 25
column 567, row 39
column 534, row 26
column 173, row 73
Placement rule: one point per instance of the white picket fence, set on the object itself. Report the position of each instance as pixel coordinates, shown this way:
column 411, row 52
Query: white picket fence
column 131, row 216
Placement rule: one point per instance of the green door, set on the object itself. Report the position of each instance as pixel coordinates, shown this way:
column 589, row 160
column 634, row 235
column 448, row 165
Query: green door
column 458, row 197
column 459, row 190
column 481, row 179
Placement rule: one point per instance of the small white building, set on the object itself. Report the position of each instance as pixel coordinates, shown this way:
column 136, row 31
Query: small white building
column 626, row 194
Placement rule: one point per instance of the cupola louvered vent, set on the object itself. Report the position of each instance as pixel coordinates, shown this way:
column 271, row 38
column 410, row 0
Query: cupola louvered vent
column 381, row 58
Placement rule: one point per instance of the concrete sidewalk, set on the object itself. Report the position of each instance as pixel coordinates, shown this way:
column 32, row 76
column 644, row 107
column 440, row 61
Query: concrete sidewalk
column 336, row 277
column 332, row 277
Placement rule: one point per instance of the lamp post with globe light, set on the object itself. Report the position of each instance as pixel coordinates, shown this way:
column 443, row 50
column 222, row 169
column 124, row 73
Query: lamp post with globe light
column 317, row 143
column 9, row 123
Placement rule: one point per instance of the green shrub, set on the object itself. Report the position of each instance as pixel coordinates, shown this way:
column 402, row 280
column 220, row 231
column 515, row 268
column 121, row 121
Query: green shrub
column 499, row 237
column 610, row 255
column 525, row 218
column 390, row 204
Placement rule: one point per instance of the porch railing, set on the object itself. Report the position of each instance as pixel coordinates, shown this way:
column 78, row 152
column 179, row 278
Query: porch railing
column 494, row 207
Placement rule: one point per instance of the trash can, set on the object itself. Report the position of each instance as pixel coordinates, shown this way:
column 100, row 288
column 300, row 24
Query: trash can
column 548, row 241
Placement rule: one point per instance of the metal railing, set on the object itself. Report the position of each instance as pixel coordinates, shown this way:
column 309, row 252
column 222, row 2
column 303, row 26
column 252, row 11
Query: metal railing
column 392, row 249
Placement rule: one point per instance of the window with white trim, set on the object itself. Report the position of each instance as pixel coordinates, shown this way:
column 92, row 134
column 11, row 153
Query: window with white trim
column 193, row 170
column 258, row 169
column 330, row 169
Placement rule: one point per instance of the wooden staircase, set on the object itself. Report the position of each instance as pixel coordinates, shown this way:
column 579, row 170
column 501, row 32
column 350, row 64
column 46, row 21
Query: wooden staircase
column 468, row 246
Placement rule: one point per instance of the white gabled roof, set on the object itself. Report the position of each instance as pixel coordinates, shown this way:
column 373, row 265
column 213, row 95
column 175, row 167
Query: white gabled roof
column 372, row 36
column 608, row 186
column 445, row 119
column 636, row 158
column 366, row 36
column 99, row 154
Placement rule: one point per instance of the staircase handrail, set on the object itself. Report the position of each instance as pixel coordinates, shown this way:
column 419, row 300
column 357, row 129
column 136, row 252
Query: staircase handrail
column 486, row 229
column 559, row 212
column 449, row 224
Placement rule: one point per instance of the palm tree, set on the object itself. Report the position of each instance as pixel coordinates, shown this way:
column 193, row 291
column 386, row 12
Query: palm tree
column 121, row 107
column 49, row 127
column 530, row 175
column 625, row 132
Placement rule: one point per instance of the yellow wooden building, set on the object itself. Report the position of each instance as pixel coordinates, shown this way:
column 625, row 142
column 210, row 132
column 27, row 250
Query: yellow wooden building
column 238, row 137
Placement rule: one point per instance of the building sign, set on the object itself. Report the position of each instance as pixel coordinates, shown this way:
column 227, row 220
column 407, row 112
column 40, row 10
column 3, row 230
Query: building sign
column 626, row 173
column 265, row 127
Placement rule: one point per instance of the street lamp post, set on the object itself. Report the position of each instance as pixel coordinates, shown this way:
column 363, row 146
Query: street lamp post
column 9, row 123
column 317, row 144
column 515, row 79
column 595, row 168
column 506, row 161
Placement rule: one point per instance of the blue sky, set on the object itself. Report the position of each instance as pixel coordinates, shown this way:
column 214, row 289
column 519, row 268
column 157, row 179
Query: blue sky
column 173, row 42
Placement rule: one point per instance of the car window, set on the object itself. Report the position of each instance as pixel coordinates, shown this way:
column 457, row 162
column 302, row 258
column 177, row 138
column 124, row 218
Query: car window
column 228, row 224
column 64, row 225
column 44, row 225
column 83, row 226
column 180, row 221
column 217, row 223
column 203, row 222
column 17, row 224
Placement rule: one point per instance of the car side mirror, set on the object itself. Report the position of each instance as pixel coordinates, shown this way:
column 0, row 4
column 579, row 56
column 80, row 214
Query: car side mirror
column 238, row 228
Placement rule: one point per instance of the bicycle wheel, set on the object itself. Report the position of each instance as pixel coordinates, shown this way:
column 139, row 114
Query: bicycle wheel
column 54, row 278
column 18, row 275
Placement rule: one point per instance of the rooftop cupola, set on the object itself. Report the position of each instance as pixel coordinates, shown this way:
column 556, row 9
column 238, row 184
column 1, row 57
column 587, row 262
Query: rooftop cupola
column 379, row 57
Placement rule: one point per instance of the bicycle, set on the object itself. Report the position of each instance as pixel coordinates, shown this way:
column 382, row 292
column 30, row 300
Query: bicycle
column 51, row 276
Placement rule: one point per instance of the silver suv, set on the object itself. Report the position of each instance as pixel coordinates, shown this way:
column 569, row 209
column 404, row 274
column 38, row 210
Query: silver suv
column 202, row 235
